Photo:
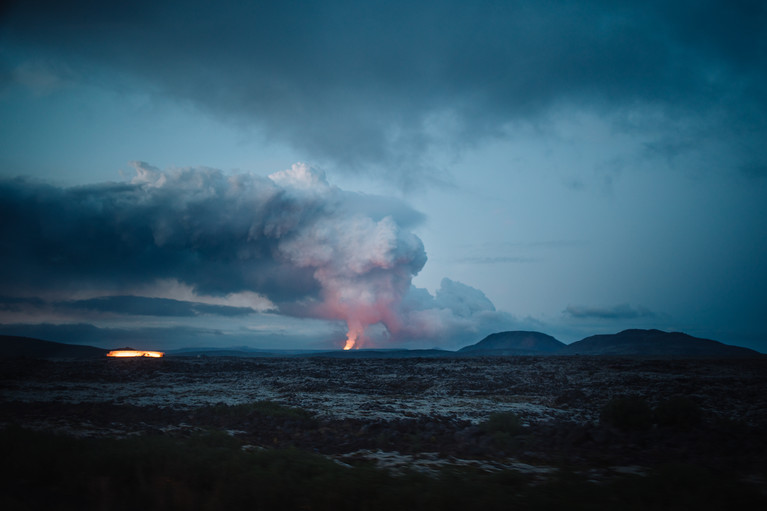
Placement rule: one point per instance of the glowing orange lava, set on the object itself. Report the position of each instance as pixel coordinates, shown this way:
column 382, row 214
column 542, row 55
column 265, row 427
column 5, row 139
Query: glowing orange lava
column 350, row 340
column 135, row 353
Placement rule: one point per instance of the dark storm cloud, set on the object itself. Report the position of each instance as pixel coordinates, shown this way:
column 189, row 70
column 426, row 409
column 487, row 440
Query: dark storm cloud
column 219, row 234
column 123, row 233
column 623, row 311
column 17, row 304
column 307, row 248
column 363, row 83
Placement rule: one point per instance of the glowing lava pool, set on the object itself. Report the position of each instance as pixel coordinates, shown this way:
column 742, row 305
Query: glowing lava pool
column 135, row 353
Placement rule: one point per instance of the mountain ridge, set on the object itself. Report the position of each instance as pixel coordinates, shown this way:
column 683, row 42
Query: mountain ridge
column 653, row 342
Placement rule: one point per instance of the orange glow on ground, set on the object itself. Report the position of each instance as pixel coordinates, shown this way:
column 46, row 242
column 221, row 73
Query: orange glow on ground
column 135, row 353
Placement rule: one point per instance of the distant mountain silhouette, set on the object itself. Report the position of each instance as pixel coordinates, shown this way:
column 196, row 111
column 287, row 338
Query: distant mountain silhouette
column 515, row 343
column 633, row 343
column 12, row 346
column 652, row 343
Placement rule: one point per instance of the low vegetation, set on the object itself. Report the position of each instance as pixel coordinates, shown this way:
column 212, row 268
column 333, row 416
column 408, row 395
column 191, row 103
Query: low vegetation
column 632, row 413
column 213, row 470
column 516, row 433
column 257, row 408
column 503, row 428
column 627, row 413
column 678, row 412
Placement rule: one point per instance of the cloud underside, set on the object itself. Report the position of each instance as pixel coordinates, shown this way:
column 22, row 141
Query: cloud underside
column 366, row 84
column 128, row 305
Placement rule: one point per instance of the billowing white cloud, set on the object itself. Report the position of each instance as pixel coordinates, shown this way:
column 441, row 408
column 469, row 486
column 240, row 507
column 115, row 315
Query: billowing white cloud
column 194, row 241
column 454, row 316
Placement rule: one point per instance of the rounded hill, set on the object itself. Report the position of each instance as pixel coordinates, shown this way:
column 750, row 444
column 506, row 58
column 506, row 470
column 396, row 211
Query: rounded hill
column 517, row 342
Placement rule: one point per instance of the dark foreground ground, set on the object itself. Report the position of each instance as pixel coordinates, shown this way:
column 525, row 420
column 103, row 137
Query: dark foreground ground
column 317, row 433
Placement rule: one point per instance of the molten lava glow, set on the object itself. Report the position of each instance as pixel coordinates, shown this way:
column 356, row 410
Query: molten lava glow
column 355, row 335
column 135, row 353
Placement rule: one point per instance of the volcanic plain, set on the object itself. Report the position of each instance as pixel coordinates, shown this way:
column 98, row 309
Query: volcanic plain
column 600, row 418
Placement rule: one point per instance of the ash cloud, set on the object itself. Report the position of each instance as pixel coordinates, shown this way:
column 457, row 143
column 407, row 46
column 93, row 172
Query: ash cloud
column 289, row 243
column 457, row 314
column 380, row 83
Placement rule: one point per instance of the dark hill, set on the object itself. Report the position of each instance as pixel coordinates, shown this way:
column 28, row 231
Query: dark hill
column 514, row 343
column 12, row 346
column 654, row 343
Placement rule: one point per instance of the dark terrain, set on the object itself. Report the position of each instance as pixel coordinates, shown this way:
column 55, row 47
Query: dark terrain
column 510, row 427
column 12, row 346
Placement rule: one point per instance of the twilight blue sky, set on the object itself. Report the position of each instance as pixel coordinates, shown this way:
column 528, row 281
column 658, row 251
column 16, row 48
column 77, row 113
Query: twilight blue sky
column 420, row 173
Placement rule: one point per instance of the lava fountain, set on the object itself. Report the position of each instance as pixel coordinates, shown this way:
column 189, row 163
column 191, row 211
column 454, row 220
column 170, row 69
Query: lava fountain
column 355, row 334
column 351, row 339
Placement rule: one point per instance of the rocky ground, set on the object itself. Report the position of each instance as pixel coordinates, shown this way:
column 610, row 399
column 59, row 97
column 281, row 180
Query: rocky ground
column 537, row 415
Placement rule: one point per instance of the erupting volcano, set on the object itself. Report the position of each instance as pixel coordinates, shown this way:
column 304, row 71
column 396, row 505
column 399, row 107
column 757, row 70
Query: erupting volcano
column 351, row 339
column 355, row 334
column 363, row 262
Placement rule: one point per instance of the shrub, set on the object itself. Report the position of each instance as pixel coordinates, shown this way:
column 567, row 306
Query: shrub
column 263, row 408
column 503, row 422
column 627, row 413
column 678, row 412
column 502, row 428
column 211, row 471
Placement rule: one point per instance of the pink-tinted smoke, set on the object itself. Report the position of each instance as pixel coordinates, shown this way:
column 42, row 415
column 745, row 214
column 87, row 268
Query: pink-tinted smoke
column 364, row 264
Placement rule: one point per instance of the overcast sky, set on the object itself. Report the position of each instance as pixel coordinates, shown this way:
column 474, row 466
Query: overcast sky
column 415, row 174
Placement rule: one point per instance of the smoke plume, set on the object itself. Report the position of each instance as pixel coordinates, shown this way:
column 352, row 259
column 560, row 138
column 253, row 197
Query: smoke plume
column 291, row 240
